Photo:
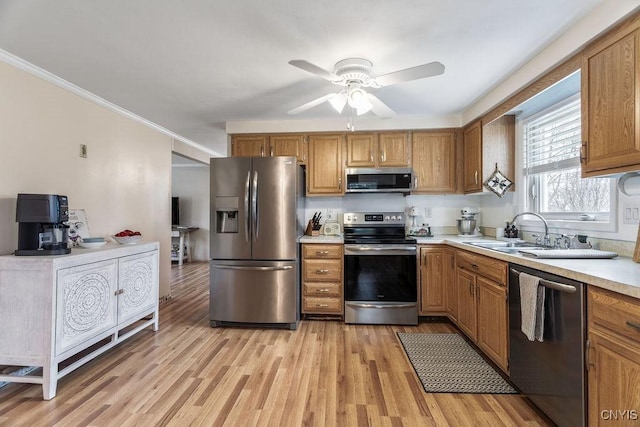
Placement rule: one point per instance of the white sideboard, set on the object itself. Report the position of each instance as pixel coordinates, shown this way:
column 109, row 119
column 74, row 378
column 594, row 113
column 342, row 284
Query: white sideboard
column 53, row 308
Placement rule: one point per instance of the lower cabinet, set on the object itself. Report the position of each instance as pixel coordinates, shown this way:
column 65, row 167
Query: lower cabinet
column 322, row 279
column 436, row 264
column 74, row 307
column 482, row 291
column 493, row 331
column 613, row 358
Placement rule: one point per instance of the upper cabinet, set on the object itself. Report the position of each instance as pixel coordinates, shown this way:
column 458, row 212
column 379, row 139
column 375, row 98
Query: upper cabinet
column 485, row 148
column 362, row 150
column 249, row 145
column 378, row 149
column 472, row 153
column 393, row 149
column 269, row 146
column 433, row 156
column 324, row 168
column 610, row 103
column 288, row 145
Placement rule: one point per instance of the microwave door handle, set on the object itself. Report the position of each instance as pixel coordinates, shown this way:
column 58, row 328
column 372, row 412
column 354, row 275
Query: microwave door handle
column 254, row 205
column 246, row 207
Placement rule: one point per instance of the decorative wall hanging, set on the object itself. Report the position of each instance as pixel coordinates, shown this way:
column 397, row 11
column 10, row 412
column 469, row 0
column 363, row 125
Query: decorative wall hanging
column 498, row 183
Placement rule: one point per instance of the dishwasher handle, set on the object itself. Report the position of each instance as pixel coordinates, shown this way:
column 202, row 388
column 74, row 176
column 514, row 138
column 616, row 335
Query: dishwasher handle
column 552, row 285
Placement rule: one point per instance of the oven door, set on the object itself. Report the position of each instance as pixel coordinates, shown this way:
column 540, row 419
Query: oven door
column 380, row 284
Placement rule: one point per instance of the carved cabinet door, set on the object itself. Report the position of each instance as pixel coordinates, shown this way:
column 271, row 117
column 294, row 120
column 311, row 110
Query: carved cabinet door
column 86, row 303
column 137, row 292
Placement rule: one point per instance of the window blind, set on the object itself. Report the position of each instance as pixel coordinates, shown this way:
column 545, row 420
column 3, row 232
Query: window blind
column 553, row 139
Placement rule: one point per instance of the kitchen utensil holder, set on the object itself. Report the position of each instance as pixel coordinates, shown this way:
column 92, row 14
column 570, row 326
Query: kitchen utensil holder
column 312, row 230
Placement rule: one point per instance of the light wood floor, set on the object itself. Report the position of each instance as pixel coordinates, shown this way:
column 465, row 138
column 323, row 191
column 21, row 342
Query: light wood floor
column 325, row 373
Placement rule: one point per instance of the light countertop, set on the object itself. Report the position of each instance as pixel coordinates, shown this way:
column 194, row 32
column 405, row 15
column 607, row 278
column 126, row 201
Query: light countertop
column 620, row 274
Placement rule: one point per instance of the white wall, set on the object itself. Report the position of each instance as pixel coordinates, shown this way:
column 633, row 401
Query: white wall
column 125, row 182
column 191, row 184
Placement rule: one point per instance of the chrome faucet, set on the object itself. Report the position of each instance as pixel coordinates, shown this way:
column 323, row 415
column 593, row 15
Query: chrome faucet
column 544, row 240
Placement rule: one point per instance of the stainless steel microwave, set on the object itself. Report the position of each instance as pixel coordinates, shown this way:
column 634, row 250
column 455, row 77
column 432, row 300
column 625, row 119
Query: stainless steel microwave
column 378, row 180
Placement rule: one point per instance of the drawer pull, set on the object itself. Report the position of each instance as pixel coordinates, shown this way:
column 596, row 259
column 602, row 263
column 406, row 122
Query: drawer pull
column 119, row 292
column 322, row 305
column 475, row 266
column 323, row 291
column 634, row 325
column 322, row 253
column 322, row 271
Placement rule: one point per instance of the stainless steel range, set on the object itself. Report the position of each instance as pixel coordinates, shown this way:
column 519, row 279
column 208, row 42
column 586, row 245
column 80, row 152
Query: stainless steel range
column 380, row 274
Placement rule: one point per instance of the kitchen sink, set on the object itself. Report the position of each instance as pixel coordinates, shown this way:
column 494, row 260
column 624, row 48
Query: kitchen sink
column 506, row 247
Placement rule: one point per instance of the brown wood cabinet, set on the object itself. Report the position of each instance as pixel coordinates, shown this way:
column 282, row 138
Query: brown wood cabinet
column 611, row 102
column 324, row 166
column 472, row 153
column 434, row 277
column 378, row 149
column 467, row 317
column 269, row 146
column 322, row 282
column 434, row 161
column 493, row 330
column 249, row 145
column 498, row 148
column 613, row 358
column 288, row 145
column 482, row 304
column 393, row 149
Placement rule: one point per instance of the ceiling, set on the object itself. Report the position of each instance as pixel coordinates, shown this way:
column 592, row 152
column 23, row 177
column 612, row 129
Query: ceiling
column 191, row 66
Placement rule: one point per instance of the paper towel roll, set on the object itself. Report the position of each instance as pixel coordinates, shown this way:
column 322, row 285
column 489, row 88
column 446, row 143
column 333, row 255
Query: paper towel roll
column 629, row 184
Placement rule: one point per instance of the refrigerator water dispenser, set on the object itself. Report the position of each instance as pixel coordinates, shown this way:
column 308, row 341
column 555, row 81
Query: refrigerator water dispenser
column 226, row 214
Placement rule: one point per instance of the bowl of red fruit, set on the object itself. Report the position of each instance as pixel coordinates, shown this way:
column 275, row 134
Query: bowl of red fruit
column 127, row 237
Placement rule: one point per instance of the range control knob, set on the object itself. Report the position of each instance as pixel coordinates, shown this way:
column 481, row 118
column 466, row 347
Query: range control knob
column 387, row 218
column 348, row 218
column 393, row 217
column 399, row 217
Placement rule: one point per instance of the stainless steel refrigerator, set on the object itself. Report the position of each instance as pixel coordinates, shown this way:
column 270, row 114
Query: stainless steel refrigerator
column 257, row 214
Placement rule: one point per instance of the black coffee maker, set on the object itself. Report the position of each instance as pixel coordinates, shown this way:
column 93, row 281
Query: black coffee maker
column 41, row 224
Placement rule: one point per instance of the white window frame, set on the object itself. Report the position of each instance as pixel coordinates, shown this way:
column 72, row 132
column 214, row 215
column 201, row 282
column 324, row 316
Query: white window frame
column 560, row 222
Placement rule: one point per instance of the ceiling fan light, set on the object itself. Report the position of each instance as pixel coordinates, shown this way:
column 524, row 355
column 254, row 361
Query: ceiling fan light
column 357, row 97
column 364, row 107
column 338, row 102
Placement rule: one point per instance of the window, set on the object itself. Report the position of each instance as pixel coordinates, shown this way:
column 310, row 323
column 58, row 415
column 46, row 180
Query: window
column 552, row 141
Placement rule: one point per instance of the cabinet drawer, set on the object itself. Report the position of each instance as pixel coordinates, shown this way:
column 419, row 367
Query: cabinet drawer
column 484, row 266
column 322, row 305
column 322, row 289
column 323, row 270
column 616, row 312
column 322, row 251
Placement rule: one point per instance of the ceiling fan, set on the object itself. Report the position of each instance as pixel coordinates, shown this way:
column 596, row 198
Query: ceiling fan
column 354, row 74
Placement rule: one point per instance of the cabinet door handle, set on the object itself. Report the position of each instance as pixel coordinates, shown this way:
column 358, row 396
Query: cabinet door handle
column 633, row 325
column 476, row 177
column 371, row 156
column 261, row 151
column 415, row 182
column 583, row 152
column 119, row 292
column 271, row 152
column 339, row 183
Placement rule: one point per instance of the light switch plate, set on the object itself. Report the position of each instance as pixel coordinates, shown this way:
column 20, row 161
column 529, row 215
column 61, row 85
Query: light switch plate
column 630, row 213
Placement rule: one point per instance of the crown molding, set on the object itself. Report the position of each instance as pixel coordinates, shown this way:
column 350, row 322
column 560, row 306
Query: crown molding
column 36, row 71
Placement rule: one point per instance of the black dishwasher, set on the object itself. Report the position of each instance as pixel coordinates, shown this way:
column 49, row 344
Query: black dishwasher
column 551, row 372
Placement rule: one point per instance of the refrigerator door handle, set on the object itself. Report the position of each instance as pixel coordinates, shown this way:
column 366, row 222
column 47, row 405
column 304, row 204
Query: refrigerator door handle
column 257, row 268
column 246, row 207
column 254, row 205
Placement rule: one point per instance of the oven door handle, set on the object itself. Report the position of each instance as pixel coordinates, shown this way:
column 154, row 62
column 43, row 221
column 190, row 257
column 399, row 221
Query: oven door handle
column 368, row 305
column 356, row 248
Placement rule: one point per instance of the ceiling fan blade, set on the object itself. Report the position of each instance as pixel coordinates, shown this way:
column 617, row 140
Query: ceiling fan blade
column 311, row 104
column 314, row 69
column 379, row 108
column 414, row 73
